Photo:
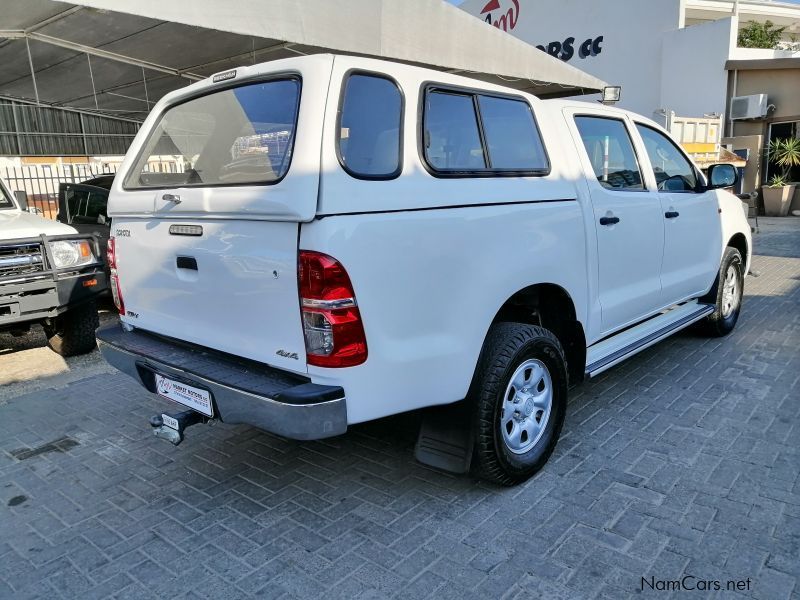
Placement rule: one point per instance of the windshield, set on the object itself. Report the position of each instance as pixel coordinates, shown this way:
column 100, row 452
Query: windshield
column 236, row 136
column 5, row 199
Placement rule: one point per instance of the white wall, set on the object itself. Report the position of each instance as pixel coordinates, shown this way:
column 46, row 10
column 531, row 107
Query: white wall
column 761, row 54
column 693, row 77
column 632, row 33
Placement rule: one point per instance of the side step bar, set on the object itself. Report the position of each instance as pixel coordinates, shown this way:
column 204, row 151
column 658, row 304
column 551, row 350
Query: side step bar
column 605, row 354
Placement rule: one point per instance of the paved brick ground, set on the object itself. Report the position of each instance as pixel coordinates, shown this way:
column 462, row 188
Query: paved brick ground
column 683, row 461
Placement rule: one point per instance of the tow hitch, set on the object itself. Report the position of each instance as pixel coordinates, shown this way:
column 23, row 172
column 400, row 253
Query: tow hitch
column 171, row 426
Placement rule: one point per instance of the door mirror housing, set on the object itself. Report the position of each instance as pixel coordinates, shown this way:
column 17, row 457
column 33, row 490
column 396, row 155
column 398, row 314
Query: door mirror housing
column 22, row 199
column 722, row 176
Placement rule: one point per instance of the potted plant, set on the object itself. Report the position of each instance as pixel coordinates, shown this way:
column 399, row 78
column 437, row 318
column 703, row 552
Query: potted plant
column 778, row 193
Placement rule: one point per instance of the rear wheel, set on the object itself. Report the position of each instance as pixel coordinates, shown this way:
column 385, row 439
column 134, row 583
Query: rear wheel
column 726, row 294
column 72, row 333
column 519, row 395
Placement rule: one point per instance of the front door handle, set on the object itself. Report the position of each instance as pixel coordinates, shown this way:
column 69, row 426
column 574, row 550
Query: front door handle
column 609, row 220
column 671, row 214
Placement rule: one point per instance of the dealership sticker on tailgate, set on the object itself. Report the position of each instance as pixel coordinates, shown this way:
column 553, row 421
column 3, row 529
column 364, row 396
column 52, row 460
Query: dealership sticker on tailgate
column 194, row 398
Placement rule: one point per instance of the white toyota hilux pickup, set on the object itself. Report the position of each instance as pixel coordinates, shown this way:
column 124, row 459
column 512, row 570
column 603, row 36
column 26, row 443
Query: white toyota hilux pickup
column 351, row 238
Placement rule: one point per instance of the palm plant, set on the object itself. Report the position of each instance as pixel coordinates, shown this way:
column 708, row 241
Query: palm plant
column 786, row 154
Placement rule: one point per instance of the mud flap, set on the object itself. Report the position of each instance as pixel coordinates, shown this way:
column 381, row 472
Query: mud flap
column 446, row 439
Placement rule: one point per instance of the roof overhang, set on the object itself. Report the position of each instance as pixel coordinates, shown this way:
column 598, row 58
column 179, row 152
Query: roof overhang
column 119, row 57
column 781, row 14
column 763, row 63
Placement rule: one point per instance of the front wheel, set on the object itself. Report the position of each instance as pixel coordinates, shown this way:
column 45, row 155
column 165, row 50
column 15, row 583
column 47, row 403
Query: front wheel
column 72, row 333
column 726, row 294
column 519, row 395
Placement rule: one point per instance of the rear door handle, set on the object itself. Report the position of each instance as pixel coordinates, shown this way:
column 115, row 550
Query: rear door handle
column 671, row 214
column 609, row 220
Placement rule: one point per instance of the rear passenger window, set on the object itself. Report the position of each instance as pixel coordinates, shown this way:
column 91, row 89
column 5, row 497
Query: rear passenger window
column 610, row 152
column 511, row 135
column 466, row 133
column 369, row 127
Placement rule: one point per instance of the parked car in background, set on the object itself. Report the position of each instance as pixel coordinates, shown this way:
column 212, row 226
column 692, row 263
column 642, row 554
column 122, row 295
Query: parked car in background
column 355, row 238
column 49, row 275
column 84, row 206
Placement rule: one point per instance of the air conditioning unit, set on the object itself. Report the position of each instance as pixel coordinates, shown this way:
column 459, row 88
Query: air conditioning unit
column 749, row 107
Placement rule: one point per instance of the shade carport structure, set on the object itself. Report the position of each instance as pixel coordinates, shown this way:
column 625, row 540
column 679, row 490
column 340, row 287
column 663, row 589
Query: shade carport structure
column 118, row 57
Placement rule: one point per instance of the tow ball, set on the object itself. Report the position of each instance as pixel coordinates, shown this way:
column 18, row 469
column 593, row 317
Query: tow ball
column 170, row 427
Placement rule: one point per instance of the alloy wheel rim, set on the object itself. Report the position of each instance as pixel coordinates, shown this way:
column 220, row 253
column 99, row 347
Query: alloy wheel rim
column 526, row 408
column 730, row 292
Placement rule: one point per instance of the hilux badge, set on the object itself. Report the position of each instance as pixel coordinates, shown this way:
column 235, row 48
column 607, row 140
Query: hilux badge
column 286, row 354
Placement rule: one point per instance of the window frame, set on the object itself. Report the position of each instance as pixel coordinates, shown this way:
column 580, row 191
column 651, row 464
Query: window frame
column 431, row 86
column 768, row 138
column 338, row 137
column 699, row 187
column 282, row 76
column 625, row 125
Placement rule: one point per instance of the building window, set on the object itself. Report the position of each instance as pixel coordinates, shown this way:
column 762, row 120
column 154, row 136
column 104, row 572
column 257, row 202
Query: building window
column 370, row 127
column 782, row 131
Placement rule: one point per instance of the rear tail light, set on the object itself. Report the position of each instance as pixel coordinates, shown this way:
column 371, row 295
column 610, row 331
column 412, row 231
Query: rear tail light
column 331, row 321
column 116, row 292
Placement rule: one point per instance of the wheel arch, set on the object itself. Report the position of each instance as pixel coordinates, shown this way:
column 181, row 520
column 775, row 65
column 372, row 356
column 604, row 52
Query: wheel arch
column 739, row 241
column 550, row 306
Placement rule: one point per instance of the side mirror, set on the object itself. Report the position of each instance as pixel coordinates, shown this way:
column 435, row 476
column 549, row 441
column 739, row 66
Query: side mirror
column 722, row 176
column 22, row 199
column 101, row 219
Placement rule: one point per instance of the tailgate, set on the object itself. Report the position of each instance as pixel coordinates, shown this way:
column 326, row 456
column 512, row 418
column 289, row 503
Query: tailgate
column 233, row 288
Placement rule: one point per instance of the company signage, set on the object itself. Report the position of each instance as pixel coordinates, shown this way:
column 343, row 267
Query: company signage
column 505, row 16
column 566, row 50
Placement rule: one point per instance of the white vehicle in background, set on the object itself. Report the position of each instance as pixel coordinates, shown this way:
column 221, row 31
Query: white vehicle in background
column 354, row 238
column 49, row 275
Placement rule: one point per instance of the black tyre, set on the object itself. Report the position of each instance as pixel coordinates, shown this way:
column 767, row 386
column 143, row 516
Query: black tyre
column 519, row 398
column 72, row 333
column 726, row 296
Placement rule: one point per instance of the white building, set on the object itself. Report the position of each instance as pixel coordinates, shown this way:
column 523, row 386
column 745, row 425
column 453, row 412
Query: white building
column 671, row 56
column 666, row 54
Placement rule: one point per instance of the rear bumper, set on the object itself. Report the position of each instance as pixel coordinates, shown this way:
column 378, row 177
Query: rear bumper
column 242, row 391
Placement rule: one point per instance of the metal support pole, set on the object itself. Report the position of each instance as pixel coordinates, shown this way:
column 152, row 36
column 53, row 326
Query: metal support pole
column 146, row 96
column 91, row 76
column 33, row 73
